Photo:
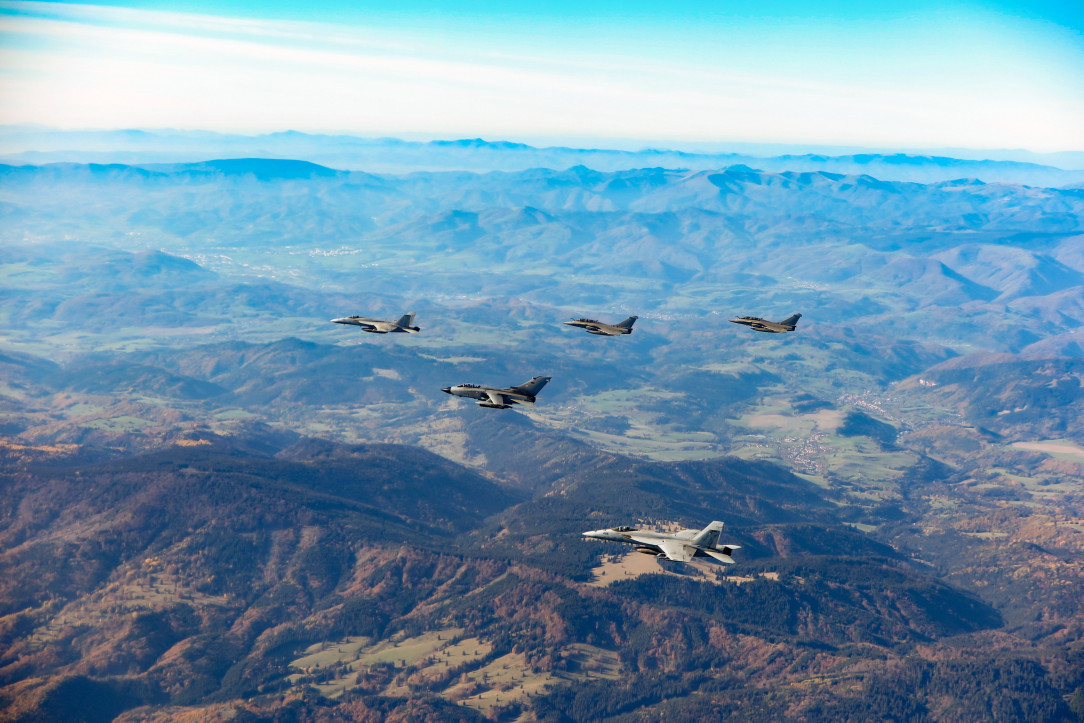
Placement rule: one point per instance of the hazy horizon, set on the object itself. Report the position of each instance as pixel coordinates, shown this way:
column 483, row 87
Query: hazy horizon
column 1067, row 158
column 921, row 75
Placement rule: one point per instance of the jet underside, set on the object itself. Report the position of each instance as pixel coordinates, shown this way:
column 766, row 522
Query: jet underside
column 680, row 546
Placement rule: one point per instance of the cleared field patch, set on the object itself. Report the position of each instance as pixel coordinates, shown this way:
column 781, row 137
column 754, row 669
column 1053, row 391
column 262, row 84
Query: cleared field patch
column 321, row 655
column 134, row 594
column 663, row 447
column 827, row 420
column 442, row 661
column 1058, row 448
column 408, row 651
column 862, row 460
column 439, row 661
column 623, row 567
column 734, row 369
column 1041, row 484
column 645, row 435
column 454, row 359
column 229, row 414
column 795, row 425
column 632, row 564
column 509, row 678
column 862, row 527
column 433, row 652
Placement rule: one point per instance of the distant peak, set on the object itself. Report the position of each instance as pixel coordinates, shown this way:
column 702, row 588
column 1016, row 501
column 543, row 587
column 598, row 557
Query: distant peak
column 479, row 143
column 267, row 168
column 741, row 168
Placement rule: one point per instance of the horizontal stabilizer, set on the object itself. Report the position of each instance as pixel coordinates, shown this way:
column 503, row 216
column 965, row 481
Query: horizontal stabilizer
column 719, row 556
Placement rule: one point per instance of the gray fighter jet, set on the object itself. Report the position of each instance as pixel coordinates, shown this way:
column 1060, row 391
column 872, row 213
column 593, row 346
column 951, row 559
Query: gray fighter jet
column 597, row 327
column 379, row 326
column 498, row 398
column 769, row 327
column 682, row 546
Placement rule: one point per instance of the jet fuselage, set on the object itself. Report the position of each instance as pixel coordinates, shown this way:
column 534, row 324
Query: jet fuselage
column 682, row 546
column 378, row 326
column 769, row 327
column 499, row 397
column 591, row 326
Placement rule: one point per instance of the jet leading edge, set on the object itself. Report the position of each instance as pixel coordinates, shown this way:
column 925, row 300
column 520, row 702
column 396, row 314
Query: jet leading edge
column 769, row 327
column 405, row 324
column 499, row 398
column 597, row 327
column 682, row 546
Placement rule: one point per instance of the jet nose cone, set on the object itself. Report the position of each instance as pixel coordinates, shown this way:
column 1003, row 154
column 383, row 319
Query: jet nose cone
column 340, row 320
column 446, row 390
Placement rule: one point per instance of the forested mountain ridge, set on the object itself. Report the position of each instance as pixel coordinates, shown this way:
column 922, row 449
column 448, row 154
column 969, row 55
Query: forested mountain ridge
column 228, row 565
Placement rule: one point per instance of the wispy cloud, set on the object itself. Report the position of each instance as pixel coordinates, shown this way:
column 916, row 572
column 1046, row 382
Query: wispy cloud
column 97, row 66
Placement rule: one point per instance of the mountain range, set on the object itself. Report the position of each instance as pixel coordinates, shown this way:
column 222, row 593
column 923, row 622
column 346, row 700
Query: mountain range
column 391, row 155
column 216, row 504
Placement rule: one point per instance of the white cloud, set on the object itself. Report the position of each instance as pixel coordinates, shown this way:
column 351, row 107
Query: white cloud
column 92, row 66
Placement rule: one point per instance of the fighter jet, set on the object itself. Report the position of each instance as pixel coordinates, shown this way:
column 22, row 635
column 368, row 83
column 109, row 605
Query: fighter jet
column 682, row 546
column 378, row 326
column 497, row 398
column 597, row 327
column 769, row 327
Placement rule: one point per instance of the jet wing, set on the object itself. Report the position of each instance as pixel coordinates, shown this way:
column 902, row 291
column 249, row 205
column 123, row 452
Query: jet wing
column 363, row 322
column 718, row 555
column 676, row 550
column 496, row 398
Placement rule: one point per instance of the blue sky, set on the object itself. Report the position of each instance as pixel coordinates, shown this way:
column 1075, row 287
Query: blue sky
column 916, row 74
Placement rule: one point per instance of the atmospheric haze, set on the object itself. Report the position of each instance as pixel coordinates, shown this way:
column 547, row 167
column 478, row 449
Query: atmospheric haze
column 887, row 470
column 217, row 504
column 919, row 74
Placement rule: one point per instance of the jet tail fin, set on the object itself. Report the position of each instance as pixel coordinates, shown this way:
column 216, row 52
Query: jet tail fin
column 406, row 319
column 708, row 536
column 791, row 320
column 532, row 387
column 627, row 323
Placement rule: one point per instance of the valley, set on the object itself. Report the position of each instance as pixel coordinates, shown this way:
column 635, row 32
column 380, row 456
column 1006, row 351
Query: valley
column 214, row 503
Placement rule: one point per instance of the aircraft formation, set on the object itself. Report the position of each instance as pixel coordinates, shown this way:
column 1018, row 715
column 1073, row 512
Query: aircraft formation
column 683, row 545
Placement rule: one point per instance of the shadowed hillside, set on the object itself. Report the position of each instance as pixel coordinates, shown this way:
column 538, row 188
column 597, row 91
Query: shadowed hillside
column 203, row 572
